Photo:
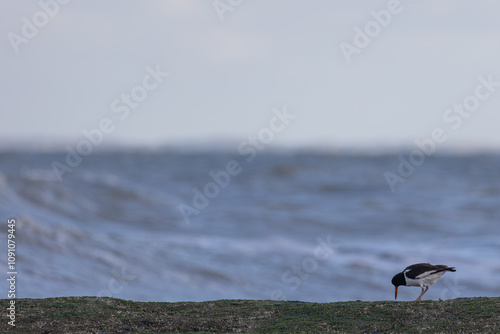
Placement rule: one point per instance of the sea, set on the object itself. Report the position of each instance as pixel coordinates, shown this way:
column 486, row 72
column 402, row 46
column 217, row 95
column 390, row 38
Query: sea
column 172, row 224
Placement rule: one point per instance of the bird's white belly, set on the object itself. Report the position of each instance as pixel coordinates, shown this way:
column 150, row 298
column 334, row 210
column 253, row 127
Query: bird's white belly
column 424, row 281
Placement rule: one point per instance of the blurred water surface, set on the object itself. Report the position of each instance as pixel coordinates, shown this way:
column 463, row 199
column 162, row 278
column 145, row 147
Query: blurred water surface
column 297, row 226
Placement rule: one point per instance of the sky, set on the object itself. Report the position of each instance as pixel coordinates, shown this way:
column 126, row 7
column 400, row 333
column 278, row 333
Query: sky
column 331, row 74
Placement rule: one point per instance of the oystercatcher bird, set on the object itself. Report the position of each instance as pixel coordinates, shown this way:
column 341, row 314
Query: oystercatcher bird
column 420, row 274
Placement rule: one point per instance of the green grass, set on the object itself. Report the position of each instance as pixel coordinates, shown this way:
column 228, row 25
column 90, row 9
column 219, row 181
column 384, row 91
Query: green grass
column 109, row 315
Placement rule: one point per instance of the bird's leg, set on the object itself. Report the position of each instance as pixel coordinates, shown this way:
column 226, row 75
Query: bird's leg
column 420, row 297
column 423, row 292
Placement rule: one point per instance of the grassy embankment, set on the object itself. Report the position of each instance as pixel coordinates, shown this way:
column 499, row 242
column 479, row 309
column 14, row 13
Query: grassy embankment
column 109, row 315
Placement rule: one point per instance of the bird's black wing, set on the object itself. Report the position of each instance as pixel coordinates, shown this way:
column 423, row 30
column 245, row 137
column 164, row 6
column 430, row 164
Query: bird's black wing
column 420, row 268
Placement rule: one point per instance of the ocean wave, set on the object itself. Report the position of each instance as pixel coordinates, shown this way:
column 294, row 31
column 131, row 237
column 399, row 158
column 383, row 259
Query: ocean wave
column 113, row 226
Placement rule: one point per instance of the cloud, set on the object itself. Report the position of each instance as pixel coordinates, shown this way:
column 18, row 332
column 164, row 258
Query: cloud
column 182, row 10
column 222, row 45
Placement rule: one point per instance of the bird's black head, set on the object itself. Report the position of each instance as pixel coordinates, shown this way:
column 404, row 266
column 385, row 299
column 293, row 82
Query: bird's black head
column 398, row 279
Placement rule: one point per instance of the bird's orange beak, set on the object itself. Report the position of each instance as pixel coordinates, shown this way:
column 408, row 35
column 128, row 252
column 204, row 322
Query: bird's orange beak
column 395, row 292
